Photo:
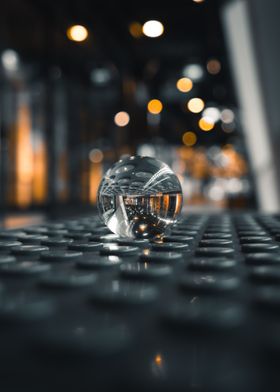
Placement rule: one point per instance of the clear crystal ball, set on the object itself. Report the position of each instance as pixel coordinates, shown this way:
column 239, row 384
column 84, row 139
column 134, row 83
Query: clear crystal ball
column 139, row 197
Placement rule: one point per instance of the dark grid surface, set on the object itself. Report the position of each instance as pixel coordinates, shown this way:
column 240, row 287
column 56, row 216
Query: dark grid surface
column 85, row 310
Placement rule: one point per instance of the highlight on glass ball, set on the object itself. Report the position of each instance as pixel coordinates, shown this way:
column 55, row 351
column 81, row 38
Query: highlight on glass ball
column 139, row 197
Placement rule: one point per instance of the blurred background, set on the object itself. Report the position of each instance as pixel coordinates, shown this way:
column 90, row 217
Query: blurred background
column 194, row 83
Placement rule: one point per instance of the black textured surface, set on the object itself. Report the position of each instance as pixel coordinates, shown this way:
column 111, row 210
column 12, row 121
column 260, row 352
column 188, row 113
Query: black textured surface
column 198, row 311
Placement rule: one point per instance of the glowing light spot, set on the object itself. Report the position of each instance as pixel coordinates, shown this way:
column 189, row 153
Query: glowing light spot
column 213, row 66
column 213, row 113
column 184, row 85
column 195, row 105
column 121, row 119
column 143, row 227
column 100, row 75
column 153, row 28
column 77, row 33
column 189, row 138
column 158, row 360
column 206, row 124
column 193, row 71
column 155, row 106
column 96, row 155
column 10, row 60
column 227, row 116
column 135, row 29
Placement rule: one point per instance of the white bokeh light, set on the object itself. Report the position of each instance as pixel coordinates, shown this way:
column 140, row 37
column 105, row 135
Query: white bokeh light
column 212, row 113
column 193, row 71
column 100, row 75
column 153, row 28
column 227, row 116
column 10, row 60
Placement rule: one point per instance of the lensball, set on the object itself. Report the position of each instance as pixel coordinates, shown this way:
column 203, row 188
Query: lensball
column 139, row 197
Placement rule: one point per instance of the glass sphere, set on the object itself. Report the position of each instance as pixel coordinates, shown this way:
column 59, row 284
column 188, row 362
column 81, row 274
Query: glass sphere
column 139, row 197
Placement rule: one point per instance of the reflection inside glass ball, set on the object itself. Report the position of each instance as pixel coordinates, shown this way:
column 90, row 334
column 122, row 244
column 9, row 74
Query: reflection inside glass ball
column 139, row 197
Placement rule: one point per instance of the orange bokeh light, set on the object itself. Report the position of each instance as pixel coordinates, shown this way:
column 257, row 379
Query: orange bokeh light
column 155, row 106
column 184, row 85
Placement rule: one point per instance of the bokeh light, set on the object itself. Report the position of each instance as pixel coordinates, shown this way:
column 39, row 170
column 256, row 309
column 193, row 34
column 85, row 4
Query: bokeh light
column 100, row 75
column 212, row 113
column 135, row 29
column 206, row 124
column 227, row 116
column 193, row 71
column 213, row 66
column 122, row 119
column 10, row 60
column 195, row 105
column 184, row 85
column 155, row 106
column 158, row 360
column 95, row 155
column 77, row 33
column 153, row 28
column 189, row 138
